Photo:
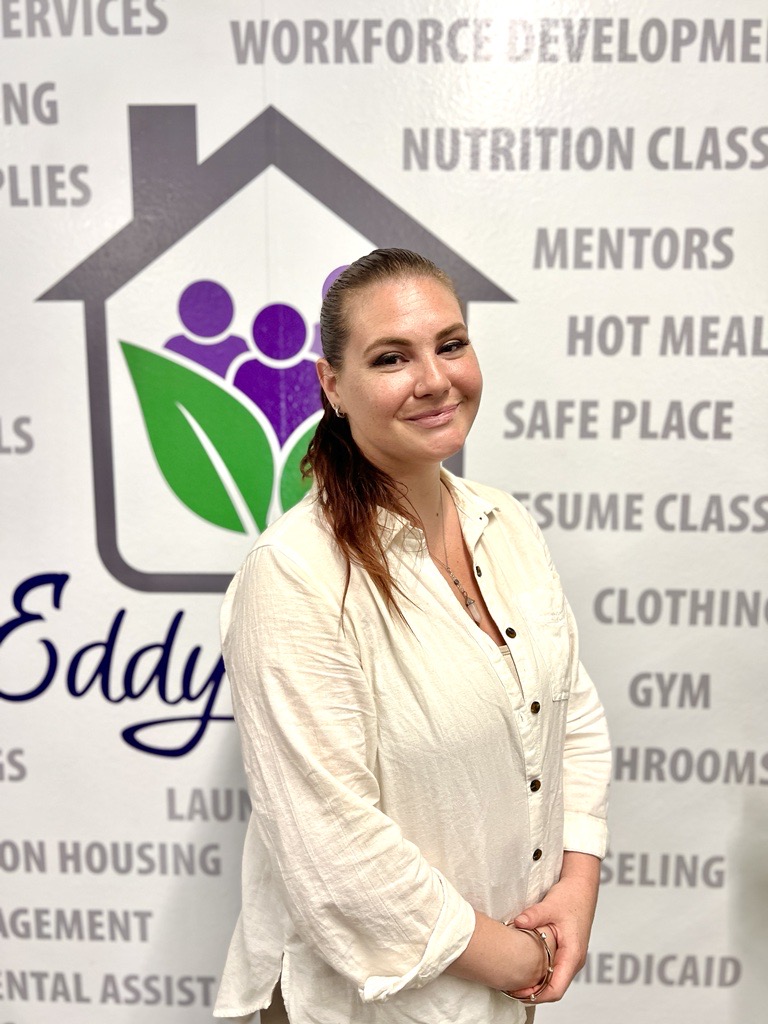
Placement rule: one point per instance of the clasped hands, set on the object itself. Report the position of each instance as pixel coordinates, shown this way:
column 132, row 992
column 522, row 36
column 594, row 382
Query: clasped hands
column 566, row 915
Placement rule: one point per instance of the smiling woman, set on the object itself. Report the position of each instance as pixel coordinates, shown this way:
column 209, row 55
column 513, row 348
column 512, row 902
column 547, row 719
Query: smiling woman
column 426, row 757
column 409, row 381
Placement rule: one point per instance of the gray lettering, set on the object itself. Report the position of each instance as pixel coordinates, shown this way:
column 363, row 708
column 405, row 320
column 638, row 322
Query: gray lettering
column 703, row 421
column 26, row 856
column 683, row 765
column 481, row 39
column 502, row 141
column 750, row 40
column 371, row 38
column 663, row 870
column 45, row 185
column 150, row 858
column 430, row 34
column 315, row 36
column 21, row 102
column 600, row 248
column 475, row 135
column 12, row 767
column 520, row 40
column 400, row 50
column 656, row 689
column 208, row 805
column 446, row 159
column 285, row 41
column 681, row 607
column 684, row 33
column 57, row 924
column 717, row 48
column 672, row 969
column 343, row 46
column 456, row 54
column 415, row 149
column 712, row 336
column 551, row 253
column 591, row 511
column 653, row 40
column 609, row 335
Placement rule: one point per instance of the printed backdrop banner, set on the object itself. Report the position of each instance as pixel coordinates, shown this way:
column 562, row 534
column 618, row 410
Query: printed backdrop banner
column 178, row 181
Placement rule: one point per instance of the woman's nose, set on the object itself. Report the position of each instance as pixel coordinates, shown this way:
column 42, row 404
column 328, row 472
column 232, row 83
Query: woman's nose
column 431, row 379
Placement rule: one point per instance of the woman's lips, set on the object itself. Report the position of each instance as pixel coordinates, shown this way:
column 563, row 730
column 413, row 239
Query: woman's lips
column 435, row 417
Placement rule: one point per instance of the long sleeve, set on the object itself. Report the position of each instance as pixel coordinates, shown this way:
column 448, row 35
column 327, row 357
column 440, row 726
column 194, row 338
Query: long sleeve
column 354, row 888
column 586, row 765
column 586, row 744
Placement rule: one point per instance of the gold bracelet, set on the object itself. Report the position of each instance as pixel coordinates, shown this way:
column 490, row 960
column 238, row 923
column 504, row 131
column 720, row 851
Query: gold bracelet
column 548, row 970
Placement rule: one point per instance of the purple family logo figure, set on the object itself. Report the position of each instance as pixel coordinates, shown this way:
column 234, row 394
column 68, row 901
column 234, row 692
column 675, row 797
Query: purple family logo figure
column 206, row 310
column 220, row 459
column 281, row 378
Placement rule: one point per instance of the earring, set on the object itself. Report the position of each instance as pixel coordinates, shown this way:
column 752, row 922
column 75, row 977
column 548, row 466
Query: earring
column 339, row 413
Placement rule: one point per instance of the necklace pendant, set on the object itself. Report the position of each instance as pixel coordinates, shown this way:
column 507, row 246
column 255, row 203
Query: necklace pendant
column 473, row 610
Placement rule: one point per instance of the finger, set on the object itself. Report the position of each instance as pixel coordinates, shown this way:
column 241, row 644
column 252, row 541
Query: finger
column 562, row 976
column 522, row 993
column 532, row 917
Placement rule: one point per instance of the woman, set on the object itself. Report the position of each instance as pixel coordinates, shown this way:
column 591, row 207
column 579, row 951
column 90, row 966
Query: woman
column 426, row 757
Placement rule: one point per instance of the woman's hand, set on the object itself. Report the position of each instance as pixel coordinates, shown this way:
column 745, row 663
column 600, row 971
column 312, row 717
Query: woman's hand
column 566, row 912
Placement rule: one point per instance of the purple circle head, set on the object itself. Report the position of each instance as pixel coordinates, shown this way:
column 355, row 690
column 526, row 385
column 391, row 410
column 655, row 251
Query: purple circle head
column 206, row 309
column 279, row 331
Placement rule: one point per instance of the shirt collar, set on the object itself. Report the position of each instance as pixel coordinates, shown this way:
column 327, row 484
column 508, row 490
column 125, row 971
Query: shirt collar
column 465, row 499
column 473, row 508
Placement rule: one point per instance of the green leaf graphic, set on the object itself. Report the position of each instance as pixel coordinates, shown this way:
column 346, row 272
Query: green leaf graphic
column 292, row 486
column 212, row 452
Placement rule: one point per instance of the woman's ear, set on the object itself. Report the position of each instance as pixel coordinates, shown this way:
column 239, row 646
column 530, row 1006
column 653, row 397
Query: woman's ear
column 327, row 377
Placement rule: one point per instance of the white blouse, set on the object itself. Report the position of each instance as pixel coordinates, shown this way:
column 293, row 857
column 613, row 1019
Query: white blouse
column 400, row 774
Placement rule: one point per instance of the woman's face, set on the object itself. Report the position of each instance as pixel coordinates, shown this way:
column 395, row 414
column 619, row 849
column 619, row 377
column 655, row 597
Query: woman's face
column 410, row 382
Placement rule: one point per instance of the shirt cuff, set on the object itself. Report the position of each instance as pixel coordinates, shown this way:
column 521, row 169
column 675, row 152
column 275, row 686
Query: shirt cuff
column 584, row 833
column 450, row 937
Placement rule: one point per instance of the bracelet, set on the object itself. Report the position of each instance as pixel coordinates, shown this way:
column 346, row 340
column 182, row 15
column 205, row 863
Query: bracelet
column 548, row 970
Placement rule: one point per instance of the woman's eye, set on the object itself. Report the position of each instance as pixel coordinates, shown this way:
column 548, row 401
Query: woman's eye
column 454, row 346
column 388, row 359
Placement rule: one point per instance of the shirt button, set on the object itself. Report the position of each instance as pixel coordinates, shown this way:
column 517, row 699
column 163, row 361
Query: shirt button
column 535, row 708
column 478, row 570
column 537, row 854
column 536, row 785
column 510, row 632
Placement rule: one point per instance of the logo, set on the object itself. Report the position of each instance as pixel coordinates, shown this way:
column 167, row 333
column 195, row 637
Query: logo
column 200, row 344
column 229, row 418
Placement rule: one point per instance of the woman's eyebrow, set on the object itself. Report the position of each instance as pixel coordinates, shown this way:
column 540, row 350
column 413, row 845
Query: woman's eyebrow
column 453, row 329
column 383, row 342
column 446, row 332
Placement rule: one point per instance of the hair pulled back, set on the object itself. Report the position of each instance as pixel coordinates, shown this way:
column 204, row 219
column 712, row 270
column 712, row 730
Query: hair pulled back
column 350, row 488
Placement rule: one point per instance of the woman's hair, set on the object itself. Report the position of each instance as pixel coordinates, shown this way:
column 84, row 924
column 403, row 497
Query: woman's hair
column 351, row 489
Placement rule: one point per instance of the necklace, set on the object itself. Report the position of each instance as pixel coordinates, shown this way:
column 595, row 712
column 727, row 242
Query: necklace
column 470, row 603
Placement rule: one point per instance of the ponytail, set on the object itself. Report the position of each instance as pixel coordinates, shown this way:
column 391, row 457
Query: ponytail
column 351, row 489
column 351, row 492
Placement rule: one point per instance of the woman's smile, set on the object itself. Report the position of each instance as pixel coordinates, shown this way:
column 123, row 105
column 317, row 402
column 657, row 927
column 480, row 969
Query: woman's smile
column 435, row 417
column 410, row 383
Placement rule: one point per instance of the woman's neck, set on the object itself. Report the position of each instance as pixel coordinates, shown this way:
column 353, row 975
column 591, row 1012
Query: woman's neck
column 423, row 499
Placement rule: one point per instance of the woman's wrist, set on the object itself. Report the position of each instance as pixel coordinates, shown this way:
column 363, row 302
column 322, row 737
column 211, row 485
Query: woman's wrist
column 546, row 944
column 503, row 958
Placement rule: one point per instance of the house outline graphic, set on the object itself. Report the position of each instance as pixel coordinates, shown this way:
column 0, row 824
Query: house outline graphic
column 172, row 195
